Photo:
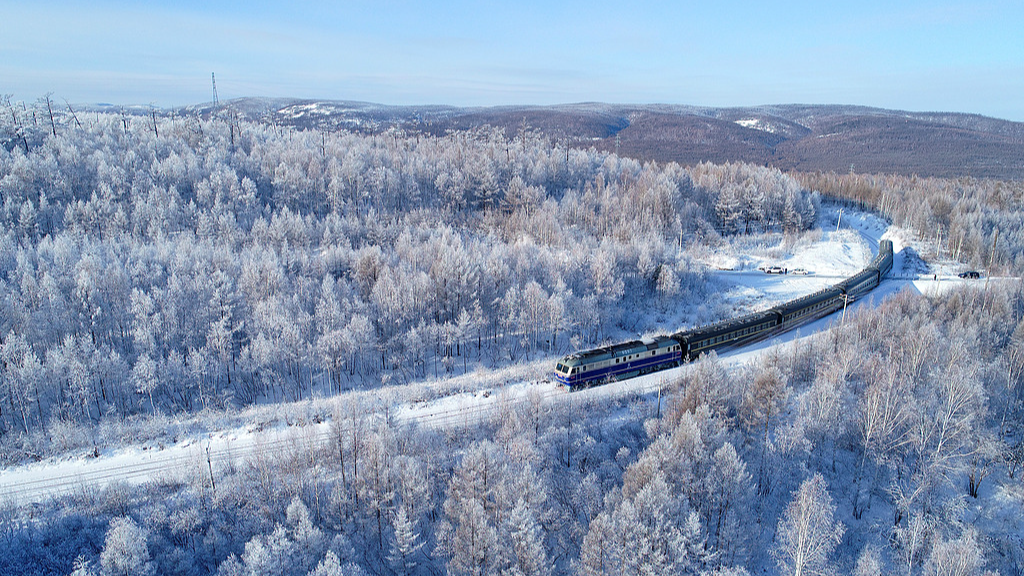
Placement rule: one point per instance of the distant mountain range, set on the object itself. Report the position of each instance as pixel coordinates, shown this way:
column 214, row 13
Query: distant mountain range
column 799, row 137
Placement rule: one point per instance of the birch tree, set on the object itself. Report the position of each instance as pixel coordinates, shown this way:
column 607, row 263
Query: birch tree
column 808, row 532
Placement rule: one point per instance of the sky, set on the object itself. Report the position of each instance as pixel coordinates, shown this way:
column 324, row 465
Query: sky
column 909, row 55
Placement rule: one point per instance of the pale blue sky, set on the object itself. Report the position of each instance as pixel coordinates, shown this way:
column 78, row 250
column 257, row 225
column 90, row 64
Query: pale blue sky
column 913, row 55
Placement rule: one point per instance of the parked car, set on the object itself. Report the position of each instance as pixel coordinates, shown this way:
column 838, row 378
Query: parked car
column 800, row 271
column 971, row 274
column 774, row 270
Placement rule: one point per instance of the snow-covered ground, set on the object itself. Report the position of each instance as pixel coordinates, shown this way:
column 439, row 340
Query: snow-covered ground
column 838, row 254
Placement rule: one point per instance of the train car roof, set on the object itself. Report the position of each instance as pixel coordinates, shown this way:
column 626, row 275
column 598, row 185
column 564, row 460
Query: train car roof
column 726, row 326
column 809, row 300
column 858, row 277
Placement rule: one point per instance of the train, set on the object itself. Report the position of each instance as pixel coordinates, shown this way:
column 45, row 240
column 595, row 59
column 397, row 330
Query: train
column 637, row 357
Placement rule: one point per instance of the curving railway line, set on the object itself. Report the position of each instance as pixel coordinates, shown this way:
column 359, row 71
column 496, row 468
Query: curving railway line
column 32, row 483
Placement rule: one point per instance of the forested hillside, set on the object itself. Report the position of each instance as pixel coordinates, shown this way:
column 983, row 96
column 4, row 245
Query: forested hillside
column 171, row 264
column 808, row 138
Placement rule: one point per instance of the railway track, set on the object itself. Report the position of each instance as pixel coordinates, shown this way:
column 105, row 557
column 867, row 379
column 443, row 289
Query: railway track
column 25, row 485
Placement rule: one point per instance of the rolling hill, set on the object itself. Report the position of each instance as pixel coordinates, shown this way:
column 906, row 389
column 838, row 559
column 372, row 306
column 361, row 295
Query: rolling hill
column 798, row 137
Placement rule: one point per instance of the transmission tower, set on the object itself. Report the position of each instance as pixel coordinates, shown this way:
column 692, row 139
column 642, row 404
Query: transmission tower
column 216, row 101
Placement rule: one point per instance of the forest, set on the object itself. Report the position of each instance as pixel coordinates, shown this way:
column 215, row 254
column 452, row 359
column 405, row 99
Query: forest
column 155, row 266
column 970, row 220
column 171, row 265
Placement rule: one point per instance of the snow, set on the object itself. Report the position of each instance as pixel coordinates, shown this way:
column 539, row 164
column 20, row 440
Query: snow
column 313, row 109
column 178, row 463
column 472, row 398
column 758, row 124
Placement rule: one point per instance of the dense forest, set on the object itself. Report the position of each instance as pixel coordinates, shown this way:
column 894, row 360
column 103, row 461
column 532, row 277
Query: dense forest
column 156, row 265
column 174, row 264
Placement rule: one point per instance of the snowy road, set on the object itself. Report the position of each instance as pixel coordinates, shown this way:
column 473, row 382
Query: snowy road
column 192, row 460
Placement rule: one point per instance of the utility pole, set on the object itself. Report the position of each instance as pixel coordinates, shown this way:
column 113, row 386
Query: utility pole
column 209, row 464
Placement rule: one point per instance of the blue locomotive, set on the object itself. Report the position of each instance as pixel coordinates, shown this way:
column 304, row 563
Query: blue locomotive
column 638, row 357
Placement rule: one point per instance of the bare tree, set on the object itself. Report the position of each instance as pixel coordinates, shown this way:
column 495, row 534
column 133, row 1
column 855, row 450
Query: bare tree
column 762, row 401
column 882, row 422
column 73, row 115
column 960, row 557
column 48, row 101
column 808, row 532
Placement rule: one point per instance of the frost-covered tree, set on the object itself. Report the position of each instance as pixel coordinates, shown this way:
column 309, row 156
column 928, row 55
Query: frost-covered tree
column 331, row 566
column 648, row 533
column 82, row 567
column 958, row 557
column 529, row 555
column 405, row 544
column 728, row 486
column 144, row 377
column 125, row 549
column 808, row 532
column 869, row 563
